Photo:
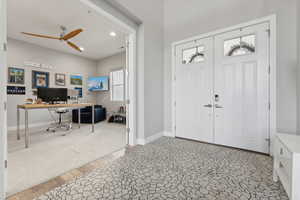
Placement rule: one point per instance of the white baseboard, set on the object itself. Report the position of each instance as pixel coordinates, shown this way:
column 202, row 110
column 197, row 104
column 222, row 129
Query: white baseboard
column 168, row 134
column 140, row 141
column 150, row 139
column 154, row 137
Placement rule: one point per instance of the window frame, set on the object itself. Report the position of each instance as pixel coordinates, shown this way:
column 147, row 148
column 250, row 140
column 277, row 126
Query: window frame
column 112, row 85
column 247, row 54
column 194, row 47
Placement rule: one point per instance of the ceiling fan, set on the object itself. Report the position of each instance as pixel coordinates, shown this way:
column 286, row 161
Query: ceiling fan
column 63, row 37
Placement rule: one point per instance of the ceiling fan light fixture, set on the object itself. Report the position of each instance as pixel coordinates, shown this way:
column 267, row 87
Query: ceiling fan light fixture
column 63, row 37
column 113, row 34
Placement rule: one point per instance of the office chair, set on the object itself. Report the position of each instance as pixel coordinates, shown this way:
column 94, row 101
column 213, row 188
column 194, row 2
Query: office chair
column 59, row 124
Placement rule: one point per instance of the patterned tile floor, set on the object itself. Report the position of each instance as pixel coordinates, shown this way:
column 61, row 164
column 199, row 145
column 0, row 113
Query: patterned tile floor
column 176, row 169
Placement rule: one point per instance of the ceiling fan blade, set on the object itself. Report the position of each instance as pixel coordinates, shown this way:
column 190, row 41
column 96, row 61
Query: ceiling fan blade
column 74, row 46
column 42, row 36
column 72, row 34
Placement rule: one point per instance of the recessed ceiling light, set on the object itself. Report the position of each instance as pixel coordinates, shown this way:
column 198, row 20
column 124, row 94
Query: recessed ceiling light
column 81, row 48
column 113, row 34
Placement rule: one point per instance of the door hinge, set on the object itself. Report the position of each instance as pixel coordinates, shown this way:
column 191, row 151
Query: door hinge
column 127, row 101
column 174, row 78
column 128, row 130
column 269, row 106
column 269, row 70
column 174, row 103
column 269, row 141
column 5, row 106
column 4, row 46
column 5, row 164
column 269, row 32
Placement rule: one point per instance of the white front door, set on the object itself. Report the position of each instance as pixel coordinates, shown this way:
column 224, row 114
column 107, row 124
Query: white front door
column 194, row 90
column 242, row 88
column 3, row 83
column 222, row 89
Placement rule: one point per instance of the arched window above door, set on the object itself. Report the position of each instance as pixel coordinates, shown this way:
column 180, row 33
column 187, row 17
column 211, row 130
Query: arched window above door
column 240, row 46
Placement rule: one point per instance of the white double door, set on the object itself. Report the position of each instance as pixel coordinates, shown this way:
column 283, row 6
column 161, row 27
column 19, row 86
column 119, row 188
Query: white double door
column 222, row 89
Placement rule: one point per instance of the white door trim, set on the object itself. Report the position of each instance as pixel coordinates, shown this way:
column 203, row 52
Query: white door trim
column 269, row 19
column 131, row 92
column 3, row 100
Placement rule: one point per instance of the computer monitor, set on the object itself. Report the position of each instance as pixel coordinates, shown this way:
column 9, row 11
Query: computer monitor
column 51, row 95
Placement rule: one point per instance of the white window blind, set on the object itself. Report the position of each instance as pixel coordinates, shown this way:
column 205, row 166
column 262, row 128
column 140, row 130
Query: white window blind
column 117, row 85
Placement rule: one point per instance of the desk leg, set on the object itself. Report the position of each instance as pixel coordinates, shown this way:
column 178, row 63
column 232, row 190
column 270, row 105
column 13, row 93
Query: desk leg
column 26, row 129
column 79, row 118
column 93, row 118
column 18, row 124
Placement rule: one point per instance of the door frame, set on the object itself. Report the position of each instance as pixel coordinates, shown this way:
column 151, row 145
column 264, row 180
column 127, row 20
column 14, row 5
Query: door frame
column 272, row 20
column 3, row 99
column 131, row 94
column 131, row 75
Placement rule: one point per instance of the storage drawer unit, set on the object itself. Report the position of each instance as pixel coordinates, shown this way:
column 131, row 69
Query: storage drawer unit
column 287, row 163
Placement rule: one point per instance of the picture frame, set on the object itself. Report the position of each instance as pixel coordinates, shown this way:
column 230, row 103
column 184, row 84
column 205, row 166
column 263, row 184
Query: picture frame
column 60, row 79
column 80, row 93
column 16, row 76
column 40, row 79
column 15, row 90
column 76, row 79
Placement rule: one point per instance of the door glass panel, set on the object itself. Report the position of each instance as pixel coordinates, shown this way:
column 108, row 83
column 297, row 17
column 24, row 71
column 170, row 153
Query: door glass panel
column 193, row 55
column 240, row 46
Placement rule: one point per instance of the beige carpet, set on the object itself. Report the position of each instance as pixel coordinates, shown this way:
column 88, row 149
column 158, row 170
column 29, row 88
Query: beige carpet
column 51, row 154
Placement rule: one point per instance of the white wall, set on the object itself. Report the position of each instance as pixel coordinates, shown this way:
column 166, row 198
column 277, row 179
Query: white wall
column 150, row 64
column 104, row 67
column 19, row 52
column 184, row 19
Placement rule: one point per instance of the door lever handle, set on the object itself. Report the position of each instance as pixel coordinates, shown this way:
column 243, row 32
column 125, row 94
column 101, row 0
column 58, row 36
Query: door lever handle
column 218, row 106
column 208, row 105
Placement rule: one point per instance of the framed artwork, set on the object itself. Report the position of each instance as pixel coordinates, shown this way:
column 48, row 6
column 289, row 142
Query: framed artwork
column 40, row 79
column 16, row 75
column 60, row 79
column 76, row 80
column 79, row 91
column 16, row 90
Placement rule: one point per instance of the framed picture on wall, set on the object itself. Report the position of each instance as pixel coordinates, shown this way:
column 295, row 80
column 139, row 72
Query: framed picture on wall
column 60, row 79
column 79, row 91
column 16, row 75
column 76, row 80
column 40, row 79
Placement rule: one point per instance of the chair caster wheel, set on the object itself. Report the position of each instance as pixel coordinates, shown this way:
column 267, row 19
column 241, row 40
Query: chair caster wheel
column 47, row 129
column 53, row 131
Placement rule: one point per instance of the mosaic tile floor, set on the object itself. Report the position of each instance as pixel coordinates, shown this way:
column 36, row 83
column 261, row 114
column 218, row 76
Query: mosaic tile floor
column 177, row 169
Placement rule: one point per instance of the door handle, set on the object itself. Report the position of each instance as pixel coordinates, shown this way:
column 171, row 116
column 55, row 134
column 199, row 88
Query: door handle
column 208, row 105
column 218, row 106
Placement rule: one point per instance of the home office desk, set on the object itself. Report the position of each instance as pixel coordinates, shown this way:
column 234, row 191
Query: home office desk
column 27, row 107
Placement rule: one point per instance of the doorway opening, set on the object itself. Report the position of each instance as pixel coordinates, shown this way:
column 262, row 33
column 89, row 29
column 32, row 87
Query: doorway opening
column 96, row 66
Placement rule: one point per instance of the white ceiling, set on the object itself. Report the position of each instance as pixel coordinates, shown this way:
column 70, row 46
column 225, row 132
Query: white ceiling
column 45, row 17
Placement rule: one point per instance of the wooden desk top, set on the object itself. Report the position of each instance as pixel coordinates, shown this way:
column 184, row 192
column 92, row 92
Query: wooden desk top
column 44, row 106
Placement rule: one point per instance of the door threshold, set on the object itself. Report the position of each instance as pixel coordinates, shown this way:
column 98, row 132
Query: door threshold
column 229, row 147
